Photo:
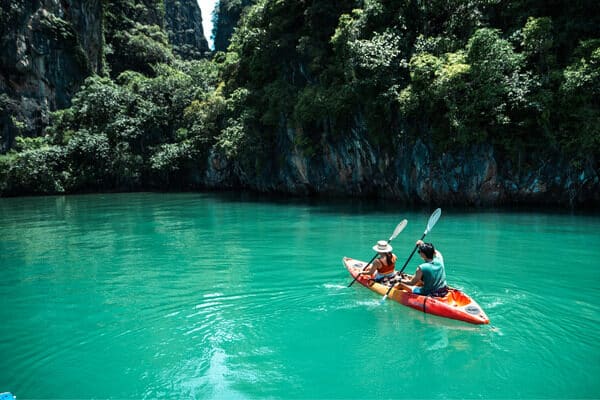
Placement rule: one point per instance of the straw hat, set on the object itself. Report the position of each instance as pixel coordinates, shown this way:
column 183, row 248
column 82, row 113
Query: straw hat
column 382, row 246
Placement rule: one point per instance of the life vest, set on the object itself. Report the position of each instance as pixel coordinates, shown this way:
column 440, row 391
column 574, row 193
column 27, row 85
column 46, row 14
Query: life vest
column 386, row 268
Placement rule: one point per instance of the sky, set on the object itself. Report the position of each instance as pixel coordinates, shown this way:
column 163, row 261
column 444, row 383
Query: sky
column 207, row 7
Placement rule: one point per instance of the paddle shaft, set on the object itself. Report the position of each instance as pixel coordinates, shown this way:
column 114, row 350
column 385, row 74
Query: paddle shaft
column 405, row 264
column 411, row 255
column 433, row 219
column 364, row 268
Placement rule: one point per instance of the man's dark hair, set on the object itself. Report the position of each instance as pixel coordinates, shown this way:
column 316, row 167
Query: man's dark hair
column 427, row 249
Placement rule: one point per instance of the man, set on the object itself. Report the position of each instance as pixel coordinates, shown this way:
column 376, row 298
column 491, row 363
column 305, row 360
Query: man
column 431, row 272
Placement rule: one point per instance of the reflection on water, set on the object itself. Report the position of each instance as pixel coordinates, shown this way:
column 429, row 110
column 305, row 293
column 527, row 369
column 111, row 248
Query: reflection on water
column 437, row 340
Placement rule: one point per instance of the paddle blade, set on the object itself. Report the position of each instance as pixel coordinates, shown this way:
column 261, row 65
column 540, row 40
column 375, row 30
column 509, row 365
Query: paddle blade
column 433, row 220
column 383, row 299
column 399, row 228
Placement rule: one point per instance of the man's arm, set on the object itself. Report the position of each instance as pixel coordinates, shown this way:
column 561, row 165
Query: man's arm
column 416, row 277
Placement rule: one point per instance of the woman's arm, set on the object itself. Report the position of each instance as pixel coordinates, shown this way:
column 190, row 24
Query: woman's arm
column 372, row 268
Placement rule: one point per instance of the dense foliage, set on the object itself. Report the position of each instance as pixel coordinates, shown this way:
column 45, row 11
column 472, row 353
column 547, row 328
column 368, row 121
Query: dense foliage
column 136, row 132
column 515, row 74
column 135, row 36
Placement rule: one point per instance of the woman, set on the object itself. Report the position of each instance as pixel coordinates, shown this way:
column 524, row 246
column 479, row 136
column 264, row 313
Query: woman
column 431, row 272
column 383, row 266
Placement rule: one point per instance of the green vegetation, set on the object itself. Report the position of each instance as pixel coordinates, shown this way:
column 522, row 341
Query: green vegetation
column 455, row 72
column 134, row 35
column 136, row 132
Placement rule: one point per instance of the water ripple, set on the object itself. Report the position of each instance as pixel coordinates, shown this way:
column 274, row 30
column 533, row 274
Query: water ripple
column 195, row 296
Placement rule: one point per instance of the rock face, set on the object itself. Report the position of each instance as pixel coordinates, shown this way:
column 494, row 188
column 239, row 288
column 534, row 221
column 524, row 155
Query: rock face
column 411, row 173
column 229, row 13
column 184, row 27
column 48, row 49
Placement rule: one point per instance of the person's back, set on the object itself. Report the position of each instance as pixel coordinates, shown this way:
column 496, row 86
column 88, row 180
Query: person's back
column 384, row 266
column 431, row 272
column 434, row 275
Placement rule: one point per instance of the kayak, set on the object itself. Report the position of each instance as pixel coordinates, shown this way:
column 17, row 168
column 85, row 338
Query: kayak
column 455, row 305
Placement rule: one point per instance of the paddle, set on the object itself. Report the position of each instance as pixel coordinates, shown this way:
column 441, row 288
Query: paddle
column 398, row 229
column 430, row 224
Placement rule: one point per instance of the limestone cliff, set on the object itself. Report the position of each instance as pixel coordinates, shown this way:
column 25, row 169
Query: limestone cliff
column 229, row 13
column 411, row 173
column 48, row 48
column 184, row 27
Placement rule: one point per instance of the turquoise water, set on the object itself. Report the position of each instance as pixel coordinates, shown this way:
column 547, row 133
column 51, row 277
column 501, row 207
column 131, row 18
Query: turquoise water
column 134, row 296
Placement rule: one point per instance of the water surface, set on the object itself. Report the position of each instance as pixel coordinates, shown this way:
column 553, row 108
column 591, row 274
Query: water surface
column 135, row 296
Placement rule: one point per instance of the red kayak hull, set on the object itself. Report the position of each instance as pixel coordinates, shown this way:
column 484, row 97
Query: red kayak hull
column 455, row 305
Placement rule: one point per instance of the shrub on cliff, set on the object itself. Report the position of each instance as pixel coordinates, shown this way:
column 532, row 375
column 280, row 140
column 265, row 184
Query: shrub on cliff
column 140, row 130
column 34, row 167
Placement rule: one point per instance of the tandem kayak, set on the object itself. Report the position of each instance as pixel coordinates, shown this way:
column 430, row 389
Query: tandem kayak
column 455, row 305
